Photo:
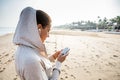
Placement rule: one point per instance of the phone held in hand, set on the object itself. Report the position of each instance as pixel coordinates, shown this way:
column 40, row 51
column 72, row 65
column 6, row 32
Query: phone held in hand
column 65, row 51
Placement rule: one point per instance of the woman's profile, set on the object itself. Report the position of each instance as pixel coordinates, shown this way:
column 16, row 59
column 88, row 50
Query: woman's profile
column 31, row 59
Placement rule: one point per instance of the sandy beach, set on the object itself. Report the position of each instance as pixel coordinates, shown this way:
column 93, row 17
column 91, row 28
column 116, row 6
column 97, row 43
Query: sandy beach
column 93, row 56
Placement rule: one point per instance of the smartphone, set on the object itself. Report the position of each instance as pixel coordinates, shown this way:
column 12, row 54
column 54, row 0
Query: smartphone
column 65, row 51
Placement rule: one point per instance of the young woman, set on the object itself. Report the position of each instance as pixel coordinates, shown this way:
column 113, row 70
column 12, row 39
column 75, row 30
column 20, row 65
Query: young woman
column 31, row 59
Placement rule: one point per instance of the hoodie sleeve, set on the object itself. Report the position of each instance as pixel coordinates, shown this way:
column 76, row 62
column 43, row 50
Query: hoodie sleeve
column 34, row 71
column 56, row 71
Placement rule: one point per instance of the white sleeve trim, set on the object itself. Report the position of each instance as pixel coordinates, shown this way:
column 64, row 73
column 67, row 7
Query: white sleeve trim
column 58, row 65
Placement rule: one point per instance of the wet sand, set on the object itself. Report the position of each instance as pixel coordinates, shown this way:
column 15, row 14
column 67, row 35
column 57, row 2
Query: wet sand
column 93, row 56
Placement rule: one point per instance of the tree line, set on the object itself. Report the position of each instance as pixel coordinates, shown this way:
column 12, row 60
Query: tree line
column 100, row 24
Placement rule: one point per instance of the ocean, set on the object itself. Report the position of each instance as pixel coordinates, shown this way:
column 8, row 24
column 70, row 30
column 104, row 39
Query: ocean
column 6, row 30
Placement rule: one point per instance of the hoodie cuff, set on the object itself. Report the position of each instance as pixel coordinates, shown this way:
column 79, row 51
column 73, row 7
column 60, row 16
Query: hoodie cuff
column 58, row 65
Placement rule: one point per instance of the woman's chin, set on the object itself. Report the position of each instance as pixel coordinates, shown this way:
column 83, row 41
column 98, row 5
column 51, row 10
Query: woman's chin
column 43, row 41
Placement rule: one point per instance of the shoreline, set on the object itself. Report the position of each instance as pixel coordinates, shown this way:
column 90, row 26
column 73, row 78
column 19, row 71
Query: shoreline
column 72, row 32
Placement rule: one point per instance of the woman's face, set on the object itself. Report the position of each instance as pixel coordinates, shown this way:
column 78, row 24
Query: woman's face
column 44, row 33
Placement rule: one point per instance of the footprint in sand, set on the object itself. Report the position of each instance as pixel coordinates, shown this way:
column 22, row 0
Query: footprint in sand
column 111, row 64
column 115, row 56
column 12, row 56
column 65, row 73
column 73, row 76
column 67, row 66
column 61, row 79
column 63, row 70
column 97, row 56
column 6, row 54
column 9, row 60
column 5, row 63
column 66, row 76
column 118, row 74
column 2, row 70
column 15, row 79
column 88, row 72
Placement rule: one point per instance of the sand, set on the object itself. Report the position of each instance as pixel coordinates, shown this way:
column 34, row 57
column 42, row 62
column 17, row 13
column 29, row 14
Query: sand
column 93, row 56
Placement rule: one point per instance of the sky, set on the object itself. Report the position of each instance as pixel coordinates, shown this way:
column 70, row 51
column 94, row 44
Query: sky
column 61, row 11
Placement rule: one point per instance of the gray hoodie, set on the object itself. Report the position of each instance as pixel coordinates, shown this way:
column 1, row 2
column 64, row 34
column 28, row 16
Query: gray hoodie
column 30, row 63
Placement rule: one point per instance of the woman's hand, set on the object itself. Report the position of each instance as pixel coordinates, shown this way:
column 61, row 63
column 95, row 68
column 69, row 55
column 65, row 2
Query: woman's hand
column 61, row 57
column 55, row 55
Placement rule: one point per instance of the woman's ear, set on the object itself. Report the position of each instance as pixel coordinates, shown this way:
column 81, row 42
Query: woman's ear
column 39, row 26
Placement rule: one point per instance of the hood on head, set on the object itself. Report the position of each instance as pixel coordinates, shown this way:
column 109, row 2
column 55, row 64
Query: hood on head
column 26, row 31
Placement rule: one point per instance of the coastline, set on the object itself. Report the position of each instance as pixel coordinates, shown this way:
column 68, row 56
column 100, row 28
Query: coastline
column 93, row 55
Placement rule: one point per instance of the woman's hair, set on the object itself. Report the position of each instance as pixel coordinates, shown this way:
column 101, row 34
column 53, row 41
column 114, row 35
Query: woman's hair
column 42, row 18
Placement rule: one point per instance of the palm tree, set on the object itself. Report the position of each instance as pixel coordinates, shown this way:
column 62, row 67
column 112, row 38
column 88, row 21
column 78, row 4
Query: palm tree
column 104, row 23
column 97, row 24
column 116, row 20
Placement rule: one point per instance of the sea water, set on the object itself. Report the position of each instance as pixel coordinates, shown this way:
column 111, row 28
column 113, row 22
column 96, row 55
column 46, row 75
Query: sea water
column 6, row 30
